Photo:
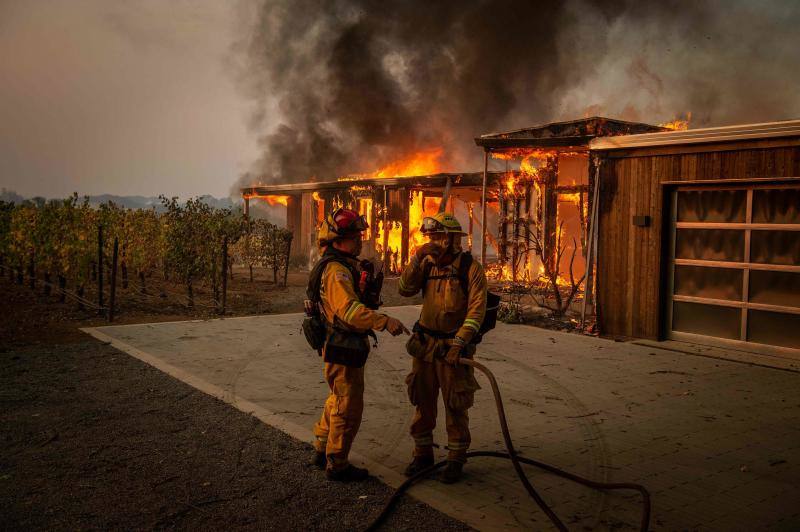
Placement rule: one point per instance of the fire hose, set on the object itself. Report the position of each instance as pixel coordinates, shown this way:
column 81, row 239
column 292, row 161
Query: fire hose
column 517, row 461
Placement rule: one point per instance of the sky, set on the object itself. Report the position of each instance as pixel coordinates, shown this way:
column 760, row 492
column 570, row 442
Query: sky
column 128, row 98
column 194, row 97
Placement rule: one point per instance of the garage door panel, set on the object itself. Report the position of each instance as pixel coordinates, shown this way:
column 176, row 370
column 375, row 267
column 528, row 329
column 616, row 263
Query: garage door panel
column 776, row 206
column 775, row 247
column 774, row 328
column 775, row 288
column 712, row 206
column 713, row 283
column 710, row 244
column 710, row 320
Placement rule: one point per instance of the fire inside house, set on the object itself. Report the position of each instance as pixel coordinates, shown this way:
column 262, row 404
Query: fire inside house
column 677, row 227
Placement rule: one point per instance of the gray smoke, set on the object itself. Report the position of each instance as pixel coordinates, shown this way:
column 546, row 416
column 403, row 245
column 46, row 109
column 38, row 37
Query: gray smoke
column 345, row 86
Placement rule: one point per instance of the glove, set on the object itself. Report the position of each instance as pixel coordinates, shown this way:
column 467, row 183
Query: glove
column 453, row 354
column 434, row 250
column 395, row 326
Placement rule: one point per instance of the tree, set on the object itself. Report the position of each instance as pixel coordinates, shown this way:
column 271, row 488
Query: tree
column 275, row 243
column 551, row 264
column 143, row 243
column 185, row 233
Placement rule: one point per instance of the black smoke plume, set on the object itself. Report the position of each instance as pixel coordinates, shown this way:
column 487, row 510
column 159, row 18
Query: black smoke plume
column 346, row 86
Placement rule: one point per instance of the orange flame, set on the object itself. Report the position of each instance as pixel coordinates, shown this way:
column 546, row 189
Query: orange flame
column 678, row 124
column 423, row 162
column 419, row 163
column 272, row 199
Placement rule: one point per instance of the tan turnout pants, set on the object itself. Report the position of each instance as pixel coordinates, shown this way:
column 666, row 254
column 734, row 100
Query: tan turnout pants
column 341, row 418
column 458, row 386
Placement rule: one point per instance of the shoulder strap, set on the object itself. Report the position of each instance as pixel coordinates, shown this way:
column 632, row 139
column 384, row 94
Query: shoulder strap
column 463, row 271
column 315, row 277
column 426, row 274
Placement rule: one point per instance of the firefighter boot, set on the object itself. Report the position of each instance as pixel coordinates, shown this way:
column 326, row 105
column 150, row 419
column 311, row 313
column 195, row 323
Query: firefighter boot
column 418, row 464
column 451, row 473
column 350, row 473
column 318, row 460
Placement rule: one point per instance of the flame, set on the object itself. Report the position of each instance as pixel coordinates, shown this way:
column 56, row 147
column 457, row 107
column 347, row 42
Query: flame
column 365, row 208
column 417, row 210
column 536, row 153
column 423, row 162
column 419, row 163
column 394, row 240
column 320, row 208
column 419, row 206
column 272, row 199
column 678, row 124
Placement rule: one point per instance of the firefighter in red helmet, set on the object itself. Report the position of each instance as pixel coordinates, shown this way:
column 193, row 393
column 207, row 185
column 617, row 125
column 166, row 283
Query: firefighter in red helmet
column 349, row 322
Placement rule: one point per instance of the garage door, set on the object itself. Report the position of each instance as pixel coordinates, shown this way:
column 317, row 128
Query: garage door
column 735, row 266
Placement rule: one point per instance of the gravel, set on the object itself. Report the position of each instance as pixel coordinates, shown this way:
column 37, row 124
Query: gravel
column 94, row 439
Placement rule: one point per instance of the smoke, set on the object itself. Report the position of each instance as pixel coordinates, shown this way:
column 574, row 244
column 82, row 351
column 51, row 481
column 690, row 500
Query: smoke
column 346, row 86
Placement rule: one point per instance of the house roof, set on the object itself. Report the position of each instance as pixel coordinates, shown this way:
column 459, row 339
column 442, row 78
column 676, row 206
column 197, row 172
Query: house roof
column 572, row 133
column 786, row 128
column 436, row 180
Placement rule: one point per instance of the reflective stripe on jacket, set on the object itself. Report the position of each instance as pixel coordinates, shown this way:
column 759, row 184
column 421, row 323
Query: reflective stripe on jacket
column 339, row 299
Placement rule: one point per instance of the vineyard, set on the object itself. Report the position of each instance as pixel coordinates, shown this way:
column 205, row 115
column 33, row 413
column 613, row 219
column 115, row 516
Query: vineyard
column 78, row 252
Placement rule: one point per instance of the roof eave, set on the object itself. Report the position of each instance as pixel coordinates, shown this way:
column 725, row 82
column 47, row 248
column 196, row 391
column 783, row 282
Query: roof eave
column 550, row 142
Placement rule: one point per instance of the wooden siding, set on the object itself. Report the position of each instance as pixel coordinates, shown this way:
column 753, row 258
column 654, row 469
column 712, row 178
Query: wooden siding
column 632, row 260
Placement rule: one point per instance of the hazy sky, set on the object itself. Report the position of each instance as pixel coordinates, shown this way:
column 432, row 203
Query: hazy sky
column 183, row 97
column 131, row 97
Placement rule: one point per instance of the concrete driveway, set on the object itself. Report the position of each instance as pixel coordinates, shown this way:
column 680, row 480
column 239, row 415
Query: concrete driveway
column 716, row 442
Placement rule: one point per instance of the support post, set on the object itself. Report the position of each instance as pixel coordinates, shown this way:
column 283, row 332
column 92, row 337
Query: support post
column 502, row 227
column 224, row 272
column 526, row 233
column 385, row 243
column 288, row 254
column 100, row 267
column 483, row 206
column 113, row 295
column 591, row 252
column 246, row 207
column 550, row 212
column 515, row 238
column 405, row 230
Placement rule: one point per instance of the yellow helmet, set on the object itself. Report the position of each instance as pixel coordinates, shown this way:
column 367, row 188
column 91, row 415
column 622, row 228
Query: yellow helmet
column 442, row 222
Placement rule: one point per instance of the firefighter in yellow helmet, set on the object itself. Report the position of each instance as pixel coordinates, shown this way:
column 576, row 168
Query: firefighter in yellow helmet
column 348, row 322
column 454, row 304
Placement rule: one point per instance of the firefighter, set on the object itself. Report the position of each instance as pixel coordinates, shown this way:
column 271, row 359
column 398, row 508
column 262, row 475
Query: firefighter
column 454, row 304
column 349, row 321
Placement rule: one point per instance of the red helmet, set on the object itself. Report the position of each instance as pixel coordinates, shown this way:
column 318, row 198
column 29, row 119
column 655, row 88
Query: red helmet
column 346, row 222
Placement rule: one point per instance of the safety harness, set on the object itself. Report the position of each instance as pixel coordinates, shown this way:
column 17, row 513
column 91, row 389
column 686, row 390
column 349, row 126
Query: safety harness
column 462, row 274
column 341, row 345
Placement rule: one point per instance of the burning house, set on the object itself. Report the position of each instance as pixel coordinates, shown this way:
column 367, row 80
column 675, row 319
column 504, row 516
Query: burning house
column 691, row 235
column 540, row 194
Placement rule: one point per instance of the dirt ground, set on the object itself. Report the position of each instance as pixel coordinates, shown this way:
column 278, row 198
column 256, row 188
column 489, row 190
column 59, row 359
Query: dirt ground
column 94, row 439
column 32, row 318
